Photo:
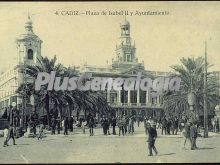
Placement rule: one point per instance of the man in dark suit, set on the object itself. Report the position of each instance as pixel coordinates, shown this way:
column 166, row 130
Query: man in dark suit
column 152, row 135
column 91, row 124
column 113, row 125
column 66, row 124
column 193, row 136
column 164, row 126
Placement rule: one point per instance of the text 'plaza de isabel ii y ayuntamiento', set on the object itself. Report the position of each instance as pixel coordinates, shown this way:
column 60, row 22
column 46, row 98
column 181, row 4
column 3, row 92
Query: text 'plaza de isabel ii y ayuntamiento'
column 124, row 65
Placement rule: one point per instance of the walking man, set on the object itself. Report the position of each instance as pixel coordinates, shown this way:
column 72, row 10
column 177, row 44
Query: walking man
column 152, row 135
column 9, row 136
column 113, row 125
column 186, row 133
column 5, row 132
column 66, row 124
column 193, row 136
column 164, row 126
column 53, row 125
column 120, row 126
column 41, row 130
column 131, row 125
column 91, row 124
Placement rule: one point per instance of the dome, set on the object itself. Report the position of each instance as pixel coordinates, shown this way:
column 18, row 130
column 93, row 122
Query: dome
column 29, row 21
column 125, row 23
column 28, row 33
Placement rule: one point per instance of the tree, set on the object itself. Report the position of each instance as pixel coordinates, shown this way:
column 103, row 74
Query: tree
column 44, row 97
column 191, row 74
column 88, row 100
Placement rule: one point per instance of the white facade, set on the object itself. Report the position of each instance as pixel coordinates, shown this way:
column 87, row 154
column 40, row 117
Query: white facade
column 28, row 51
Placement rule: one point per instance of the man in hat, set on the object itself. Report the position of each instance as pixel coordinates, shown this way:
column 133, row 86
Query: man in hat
column 152, row 135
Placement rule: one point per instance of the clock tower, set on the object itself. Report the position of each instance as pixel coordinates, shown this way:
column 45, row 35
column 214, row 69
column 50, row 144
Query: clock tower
column 125, row 49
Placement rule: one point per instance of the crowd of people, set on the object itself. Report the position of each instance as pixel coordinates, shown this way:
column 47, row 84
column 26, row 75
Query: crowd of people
column 168, row 125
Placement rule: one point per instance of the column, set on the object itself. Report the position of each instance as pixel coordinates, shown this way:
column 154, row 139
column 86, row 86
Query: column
column 108, row 96
column 138, row 97
column 147, row 97
column 158, row 100
column 119, row 96
column 129, row 97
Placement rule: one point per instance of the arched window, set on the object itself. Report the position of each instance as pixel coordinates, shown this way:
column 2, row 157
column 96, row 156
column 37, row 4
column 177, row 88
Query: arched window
column 30, row 54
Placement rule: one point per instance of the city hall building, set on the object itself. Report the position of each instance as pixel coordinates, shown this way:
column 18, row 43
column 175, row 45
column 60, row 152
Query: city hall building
column 125, row 64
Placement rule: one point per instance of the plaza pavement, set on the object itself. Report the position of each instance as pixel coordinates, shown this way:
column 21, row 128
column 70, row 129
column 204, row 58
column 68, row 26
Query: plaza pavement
column 81, row 148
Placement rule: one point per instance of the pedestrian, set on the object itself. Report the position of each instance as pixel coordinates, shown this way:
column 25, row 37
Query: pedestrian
column 131, row 125
column 175, row 124
column 152, row 135
column 186, row 134
column 53, row 125
column 5, row 133
column 84, row 126
column 66, row 124
column 113, row 125
column 182, row 125
column 91, row 124
column 164, row 126
column 105, row 126
column 159, row 123
column 120, row 126
column 169, row 123
column 58, row 126
column 9, row 136
column 125, row 124
column 62, row 124
column 71, row 123
column 145, row 125
column 41, row 130
column 193, row 135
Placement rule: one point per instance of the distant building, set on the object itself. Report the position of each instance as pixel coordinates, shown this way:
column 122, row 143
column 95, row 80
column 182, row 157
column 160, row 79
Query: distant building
column 28, row 50
column 126, row 64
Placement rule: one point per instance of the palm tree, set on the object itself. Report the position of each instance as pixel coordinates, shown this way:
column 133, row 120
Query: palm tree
column 87, row 100
column 191, row 74
column 44, row 65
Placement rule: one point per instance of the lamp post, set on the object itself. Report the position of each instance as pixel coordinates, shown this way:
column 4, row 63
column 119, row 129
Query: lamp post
column 205, row 95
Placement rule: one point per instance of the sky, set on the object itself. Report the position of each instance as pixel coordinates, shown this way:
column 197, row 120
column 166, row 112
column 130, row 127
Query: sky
column 160, row 40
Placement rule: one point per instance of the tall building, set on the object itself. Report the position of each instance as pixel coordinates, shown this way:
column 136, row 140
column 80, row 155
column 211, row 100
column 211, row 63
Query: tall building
column 126, row 64
column 28, row 51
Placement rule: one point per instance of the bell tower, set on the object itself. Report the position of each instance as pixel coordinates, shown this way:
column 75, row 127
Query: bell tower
column 28, row 45
column 125, row 51
column 125, row 48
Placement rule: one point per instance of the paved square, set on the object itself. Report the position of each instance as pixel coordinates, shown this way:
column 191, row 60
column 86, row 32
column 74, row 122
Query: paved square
column 81, row 148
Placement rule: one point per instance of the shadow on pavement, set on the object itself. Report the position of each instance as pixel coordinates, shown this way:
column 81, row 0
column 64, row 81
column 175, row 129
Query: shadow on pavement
column 166, row 154
column 205, row 148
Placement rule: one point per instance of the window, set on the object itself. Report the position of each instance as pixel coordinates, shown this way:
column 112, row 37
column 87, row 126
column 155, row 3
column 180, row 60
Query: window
column 30, row 54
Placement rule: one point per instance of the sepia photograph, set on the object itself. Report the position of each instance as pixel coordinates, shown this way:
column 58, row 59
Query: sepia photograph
column 109, row 82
